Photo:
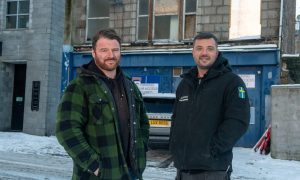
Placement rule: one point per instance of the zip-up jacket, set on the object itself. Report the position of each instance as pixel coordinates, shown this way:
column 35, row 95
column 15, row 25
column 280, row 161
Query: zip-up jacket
column 210, row 115
column 88, row 128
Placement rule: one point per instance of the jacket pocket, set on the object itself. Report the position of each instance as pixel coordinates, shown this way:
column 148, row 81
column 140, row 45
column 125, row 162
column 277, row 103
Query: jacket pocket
column 97, row 108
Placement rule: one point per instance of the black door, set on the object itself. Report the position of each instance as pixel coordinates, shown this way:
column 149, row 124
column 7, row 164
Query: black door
column 18, row 97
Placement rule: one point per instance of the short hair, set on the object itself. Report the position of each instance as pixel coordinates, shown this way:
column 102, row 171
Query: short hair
column 205, row 35
column 105, row 33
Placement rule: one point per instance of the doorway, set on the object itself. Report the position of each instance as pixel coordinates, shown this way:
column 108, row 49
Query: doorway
column 18, row 97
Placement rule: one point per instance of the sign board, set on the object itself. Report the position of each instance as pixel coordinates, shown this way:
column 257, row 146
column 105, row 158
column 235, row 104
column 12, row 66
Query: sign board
column 249, row 80
column 148, row 88
column 35, row 97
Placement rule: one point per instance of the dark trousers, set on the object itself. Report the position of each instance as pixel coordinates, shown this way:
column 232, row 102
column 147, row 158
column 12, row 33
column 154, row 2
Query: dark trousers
column 203, row 175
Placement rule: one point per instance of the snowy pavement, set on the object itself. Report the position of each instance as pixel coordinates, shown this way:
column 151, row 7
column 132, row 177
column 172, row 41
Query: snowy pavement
column 246, row 163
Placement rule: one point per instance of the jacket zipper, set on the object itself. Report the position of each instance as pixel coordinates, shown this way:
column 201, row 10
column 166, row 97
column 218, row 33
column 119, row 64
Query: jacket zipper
column 189, row 119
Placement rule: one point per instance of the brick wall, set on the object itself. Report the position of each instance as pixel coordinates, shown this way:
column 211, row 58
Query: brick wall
column 270, row 17
column 213, row 16
column 124, row 20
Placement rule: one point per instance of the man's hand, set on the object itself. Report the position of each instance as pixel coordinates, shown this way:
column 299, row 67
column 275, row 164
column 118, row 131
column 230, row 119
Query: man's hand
column 96, row 172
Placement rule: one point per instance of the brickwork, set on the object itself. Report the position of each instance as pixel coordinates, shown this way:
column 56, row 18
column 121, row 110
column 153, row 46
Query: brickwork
column 213, row 16
column 123, row 18
column 270, row 17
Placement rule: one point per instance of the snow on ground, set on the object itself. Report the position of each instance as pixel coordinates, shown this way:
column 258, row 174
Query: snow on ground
column 246, row 163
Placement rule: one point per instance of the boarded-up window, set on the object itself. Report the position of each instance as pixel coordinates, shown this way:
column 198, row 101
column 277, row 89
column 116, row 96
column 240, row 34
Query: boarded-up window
column 166, row 19
column 177, row 71
column 163, row 7
column 190, row 26
column 97, row 17
column 159, row 20
column 245, row 19
column 190, row 19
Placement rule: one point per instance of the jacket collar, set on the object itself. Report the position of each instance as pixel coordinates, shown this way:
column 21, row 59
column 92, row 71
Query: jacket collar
column 220, row 66
column 92, row 69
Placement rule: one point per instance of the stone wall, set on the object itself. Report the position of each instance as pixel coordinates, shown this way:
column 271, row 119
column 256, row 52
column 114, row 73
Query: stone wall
column 270, row 18
column 213, row 16
column 290, row 71
column 285, row 136
column 6, row 95
column 40, row 48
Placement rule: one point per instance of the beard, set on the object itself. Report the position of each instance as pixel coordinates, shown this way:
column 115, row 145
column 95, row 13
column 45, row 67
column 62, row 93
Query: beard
column 106, row 64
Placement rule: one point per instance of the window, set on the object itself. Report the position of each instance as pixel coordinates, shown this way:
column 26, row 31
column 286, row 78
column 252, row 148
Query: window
column 159, row 19
column 166, row 19
column 97, row 17
column 143, row 20
column 298, row 16
column 190, row 19
column 177, row 71
column 245, row 19
column 17, row 14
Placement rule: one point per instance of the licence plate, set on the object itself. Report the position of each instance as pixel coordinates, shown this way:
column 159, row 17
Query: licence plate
column 159, row 123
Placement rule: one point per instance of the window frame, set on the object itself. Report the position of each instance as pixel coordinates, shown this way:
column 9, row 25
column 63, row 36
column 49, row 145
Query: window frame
column 236, row 32
column 138, row 22
column 92, row 18
column 164, row 15
column 184, row 14
column 181, row 18
column 17, row 15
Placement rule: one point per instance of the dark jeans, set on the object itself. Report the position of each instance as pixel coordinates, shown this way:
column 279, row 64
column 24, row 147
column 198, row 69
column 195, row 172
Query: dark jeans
column 203, row 175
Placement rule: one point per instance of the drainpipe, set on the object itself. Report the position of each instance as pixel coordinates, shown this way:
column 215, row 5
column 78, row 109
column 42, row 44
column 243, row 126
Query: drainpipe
column 280, row 25
column 279, row 40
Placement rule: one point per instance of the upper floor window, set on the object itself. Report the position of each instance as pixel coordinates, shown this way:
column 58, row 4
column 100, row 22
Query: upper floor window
column 97, row 17
column 143, row 19
column 245, row 19
column 297, row 16
column 190, row 19
column 166, row 19
column 160, row 19
column 17, row 14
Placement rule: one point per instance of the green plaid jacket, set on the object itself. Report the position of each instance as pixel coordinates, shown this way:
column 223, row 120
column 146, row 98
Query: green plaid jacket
column 87, row 127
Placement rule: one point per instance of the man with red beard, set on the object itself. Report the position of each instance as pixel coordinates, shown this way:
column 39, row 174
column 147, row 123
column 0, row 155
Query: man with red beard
column 101, row 120
column 210, row 114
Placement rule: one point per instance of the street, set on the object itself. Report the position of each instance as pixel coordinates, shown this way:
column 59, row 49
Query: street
column 32, row 166
column 37, row 167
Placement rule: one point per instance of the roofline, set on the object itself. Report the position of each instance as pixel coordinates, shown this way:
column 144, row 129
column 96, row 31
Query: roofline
column 222, row 48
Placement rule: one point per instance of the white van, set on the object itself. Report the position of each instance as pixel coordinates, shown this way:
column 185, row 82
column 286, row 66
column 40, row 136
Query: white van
column 159, row 107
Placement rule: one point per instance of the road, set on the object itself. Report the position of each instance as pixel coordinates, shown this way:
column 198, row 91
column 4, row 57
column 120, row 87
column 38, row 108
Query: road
column 32, row 167
column 47, row 167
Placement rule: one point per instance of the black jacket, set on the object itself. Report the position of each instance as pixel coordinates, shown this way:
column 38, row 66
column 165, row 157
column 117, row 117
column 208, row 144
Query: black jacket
column 210, row 115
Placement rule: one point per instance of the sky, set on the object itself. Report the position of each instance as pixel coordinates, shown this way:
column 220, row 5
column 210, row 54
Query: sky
column 247, row 164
